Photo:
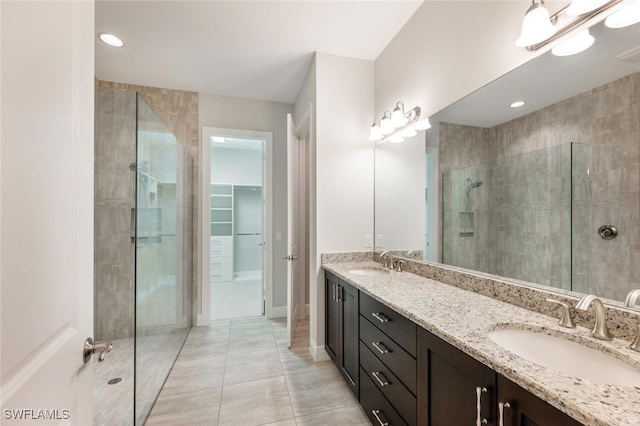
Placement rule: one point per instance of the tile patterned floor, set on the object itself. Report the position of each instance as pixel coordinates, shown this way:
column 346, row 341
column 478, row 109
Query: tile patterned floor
column 241, row 373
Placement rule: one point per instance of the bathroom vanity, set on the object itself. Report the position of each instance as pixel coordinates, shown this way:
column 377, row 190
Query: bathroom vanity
column 424, row 356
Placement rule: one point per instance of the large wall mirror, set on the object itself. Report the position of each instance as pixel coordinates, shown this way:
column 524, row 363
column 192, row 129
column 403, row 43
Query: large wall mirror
column 548, row 193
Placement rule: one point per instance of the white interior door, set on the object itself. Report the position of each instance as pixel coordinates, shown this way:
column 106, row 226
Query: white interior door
column 46, row 210
column 293, row 228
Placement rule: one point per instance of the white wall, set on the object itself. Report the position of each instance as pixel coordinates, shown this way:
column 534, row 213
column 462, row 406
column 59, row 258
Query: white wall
column 344, row 166
column 247, row 114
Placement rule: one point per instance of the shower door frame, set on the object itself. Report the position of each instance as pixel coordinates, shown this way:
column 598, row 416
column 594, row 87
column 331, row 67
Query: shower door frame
column 203, row 317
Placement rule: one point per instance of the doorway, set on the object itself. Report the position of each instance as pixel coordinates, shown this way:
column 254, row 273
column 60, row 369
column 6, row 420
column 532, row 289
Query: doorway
column 236, row 223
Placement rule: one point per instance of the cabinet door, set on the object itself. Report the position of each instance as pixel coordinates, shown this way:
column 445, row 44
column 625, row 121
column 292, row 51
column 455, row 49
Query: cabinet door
column 332, row 317
column 453, row 388
column 348, row 297
column 526, row 409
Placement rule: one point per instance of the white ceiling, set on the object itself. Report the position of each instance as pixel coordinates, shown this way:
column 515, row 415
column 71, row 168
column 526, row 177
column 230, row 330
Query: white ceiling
column 251, row 49
column 548, row 79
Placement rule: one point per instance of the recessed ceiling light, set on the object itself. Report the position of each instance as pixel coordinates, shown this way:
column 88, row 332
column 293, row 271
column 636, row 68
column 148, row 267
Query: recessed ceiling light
column 217, row 139
column 517, row 104
column 111, row 40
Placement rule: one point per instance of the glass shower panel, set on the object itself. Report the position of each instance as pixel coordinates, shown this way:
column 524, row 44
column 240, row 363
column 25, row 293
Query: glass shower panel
column 581, row 231
column 512, row 217
column 163, row 247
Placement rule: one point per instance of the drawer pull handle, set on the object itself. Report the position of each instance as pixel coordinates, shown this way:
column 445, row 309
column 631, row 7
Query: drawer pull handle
column 479, row 419
column 501, row 407
column 380, row 347
column 377, row 374
column 380, row 317
column 376, row 414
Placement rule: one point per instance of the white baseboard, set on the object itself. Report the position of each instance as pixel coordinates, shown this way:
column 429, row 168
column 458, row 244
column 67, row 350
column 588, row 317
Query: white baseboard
column 278, row 312
column 318, row 353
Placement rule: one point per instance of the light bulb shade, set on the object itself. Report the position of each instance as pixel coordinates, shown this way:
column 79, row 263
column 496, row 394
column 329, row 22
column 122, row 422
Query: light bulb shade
column 423, row 124
column 375, row 134
column 409, row 132
column 397, row 116
column 396, row 139
column 576, row 44
column 628, row 15
column 386, row 126
column 580, row 7
column 536, row 26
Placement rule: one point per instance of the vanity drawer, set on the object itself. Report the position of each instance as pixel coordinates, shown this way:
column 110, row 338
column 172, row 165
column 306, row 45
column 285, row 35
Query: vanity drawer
column 375, row 405
column 399, row 396
column 394, row 325
column 393, row 356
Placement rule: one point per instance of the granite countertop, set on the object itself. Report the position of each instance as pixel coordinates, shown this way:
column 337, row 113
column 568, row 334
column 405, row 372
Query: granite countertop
column 463, row 319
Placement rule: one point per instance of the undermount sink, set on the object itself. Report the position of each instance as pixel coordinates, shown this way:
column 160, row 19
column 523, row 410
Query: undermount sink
column 566, row 357
column 370, row 272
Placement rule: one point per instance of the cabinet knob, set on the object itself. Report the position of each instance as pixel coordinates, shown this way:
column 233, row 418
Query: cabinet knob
column 501, row 407
column 380, row 317
column 380, row 347
column 377, row 375
column 378, row 415
column 479, row 419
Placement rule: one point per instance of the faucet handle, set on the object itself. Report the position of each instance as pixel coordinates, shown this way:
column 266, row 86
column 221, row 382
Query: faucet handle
column 632, row 298
column 565, row 318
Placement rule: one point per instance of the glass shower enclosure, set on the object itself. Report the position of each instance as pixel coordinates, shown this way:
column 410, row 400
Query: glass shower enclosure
column 143, row 218
column 523, row 217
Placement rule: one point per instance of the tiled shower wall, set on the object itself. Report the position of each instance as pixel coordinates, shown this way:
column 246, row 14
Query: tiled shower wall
column 115, row 133
column 517, row 222
column 608, row 120
column 115, row 149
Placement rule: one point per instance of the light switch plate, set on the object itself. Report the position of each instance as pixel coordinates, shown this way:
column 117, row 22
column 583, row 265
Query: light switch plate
column 278, row 236
column 379, row 241
column 368, row 241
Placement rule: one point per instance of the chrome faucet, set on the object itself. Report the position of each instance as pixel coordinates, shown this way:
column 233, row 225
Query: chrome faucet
column 565, row 317
column 385, row 258
column 600, row 330
column 632, row 300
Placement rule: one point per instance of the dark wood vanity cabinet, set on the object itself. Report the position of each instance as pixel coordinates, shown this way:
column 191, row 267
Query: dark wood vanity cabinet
column 456, row 389
column 341, row 328
column 526, row 409
column 387, row 364
column 453, row 388
column 405, row 375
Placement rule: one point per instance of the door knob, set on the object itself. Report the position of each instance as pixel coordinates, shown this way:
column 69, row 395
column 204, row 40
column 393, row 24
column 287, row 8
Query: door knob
column 290, row 257
column 91, row 347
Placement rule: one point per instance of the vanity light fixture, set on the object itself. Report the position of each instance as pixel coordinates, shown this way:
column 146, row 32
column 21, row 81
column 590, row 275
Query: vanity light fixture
column 576, row 44
column 111, row 40
column 517, row 104
column 423, row 124
column 580, row 7
column 539, row 29
column 536, row 25
column 398, row 125
column 628, row 15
